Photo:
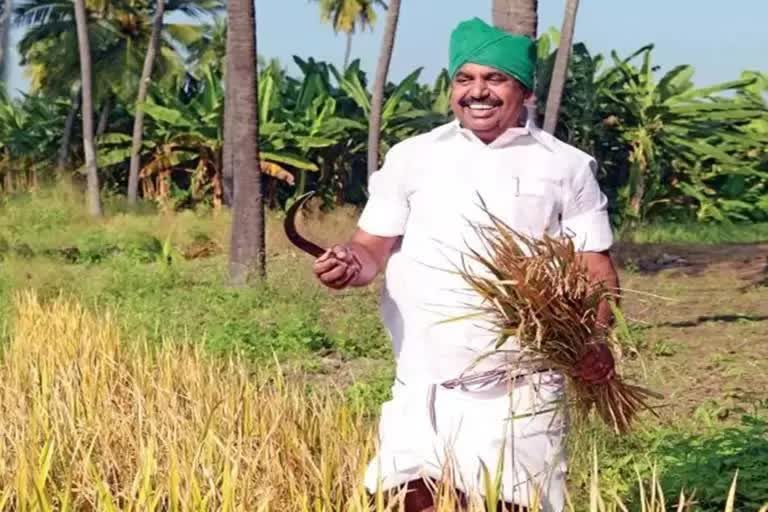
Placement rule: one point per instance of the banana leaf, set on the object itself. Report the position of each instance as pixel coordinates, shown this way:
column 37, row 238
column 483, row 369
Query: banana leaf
column 289, row 159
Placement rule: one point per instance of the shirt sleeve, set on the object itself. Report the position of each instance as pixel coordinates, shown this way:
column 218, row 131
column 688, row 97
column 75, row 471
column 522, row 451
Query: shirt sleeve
column 387, row 209
column 585, row 212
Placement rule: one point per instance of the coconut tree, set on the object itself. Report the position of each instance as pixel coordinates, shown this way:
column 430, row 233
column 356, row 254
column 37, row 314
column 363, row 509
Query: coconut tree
column 138, row 120
column 247, row 254
column 93, row 197
column 516, row 16
column 560, row 72
column 348, row 16
column 119, row 34
column 382, row 69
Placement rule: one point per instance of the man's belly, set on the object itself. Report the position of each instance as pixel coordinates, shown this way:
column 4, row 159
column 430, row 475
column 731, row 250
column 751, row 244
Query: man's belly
column 435, row 323
column 427, row 305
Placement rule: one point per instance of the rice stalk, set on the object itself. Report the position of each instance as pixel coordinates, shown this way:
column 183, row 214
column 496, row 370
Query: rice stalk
column 92, row 422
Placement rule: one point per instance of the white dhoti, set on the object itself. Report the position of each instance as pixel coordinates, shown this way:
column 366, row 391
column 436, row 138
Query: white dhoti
column 428, row 431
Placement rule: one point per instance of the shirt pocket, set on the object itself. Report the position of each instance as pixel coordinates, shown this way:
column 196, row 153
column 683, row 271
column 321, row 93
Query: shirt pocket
column 533, row 205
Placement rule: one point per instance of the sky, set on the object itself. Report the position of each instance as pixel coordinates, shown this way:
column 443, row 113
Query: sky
column 719, row 39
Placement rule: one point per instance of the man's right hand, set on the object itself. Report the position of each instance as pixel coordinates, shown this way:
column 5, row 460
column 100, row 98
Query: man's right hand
column 338, row 267
column 356, row 263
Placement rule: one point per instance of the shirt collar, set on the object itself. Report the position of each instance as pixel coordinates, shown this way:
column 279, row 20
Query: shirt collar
column 529, row 128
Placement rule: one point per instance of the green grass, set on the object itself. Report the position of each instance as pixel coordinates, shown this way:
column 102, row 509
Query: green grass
column 690, row 233
column 134, row 265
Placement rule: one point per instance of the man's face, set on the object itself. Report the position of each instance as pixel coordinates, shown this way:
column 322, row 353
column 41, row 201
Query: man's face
column 486, row 101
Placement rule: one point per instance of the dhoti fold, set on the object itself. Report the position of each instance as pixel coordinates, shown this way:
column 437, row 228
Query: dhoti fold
column 427, row 431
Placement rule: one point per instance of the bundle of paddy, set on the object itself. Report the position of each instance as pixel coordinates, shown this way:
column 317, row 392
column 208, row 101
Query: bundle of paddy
column 537, row 291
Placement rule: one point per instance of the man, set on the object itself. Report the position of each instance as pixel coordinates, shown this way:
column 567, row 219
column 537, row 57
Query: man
column 414, row 228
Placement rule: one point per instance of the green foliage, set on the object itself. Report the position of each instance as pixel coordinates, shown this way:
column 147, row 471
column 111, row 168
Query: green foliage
column 370, row 393
column 313, row 132
column 119, row 33
column 29, row 137
column 31, row 218
column 183, row 137
column 697, row 233
column 94, row 247
column 706, row 462
column 699, row 459
column 349, row 15
column 666, row 149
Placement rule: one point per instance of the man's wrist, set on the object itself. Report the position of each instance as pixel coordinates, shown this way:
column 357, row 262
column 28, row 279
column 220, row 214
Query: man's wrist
column 367, row 267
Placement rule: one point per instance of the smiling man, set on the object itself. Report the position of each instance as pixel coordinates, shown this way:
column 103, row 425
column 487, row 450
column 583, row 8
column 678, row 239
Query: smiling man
column 414, row 228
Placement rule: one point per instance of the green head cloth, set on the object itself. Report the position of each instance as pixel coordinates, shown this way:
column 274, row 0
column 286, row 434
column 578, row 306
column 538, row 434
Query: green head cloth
column 474, row 41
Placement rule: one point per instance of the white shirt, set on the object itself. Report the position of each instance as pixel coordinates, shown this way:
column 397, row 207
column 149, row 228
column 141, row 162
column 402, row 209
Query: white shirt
column 428, row 190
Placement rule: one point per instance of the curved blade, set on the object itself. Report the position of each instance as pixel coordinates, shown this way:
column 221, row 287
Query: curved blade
column 290, row 228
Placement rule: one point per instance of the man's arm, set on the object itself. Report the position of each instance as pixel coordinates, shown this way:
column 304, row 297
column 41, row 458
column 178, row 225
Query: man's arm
column 598, row 365
column 600, row 268
column 355, row 263
column 380, row 226
column 585, row 219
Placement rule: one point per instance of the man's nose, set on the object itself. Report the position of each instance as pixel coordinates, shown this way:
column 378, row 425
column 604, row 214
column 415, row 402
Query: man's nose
column 479, row 89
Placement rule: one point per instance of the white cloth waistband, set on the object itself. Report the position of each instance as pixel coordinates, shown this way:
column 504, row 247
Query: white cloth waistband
column 490, row 390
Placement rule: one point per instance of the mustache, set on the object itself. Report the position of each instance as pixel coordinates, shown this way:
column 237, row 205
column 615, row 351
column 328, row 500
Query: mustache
column 487, row 100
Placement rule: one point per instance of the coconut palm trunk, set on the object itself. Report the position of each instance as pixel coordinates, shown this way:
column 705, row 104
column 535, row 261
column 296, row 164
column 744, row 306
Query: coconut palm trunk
column 5, row 36
column 560, row 71
column 377, row 100
column 106, row 109
column 516, row 16
column 226, row 150
column 138, row 120
column 247, row 254
column 92, row 192
column 348, row 50
column 66, row 137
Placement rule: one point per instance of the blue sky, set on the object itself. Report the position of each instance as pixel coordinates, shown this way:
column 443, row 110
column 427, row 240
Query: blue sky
column 720, row 39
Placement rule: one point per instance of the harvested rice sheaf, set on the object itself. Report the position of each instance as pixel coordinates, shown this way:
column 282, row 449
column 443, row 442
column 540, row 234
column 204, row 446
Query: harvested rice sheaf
column 536, row 291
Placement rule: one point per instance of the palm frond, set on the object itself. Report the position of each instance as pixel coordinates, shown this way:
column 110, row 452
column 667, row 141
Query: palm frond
column 35, row 12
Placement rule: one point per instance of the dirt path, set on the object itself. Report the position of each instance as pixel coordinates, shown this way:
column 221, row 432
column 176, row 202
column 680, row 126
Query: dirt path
column 707, row 340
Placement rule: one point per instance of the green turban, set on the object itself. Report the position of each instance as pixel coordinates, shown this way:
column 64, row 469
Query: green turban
column 474, row 41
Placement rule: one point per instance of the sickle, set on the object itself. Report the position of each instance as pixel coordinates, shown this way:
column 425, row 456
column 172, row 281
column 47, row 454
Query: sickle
column 290, row 228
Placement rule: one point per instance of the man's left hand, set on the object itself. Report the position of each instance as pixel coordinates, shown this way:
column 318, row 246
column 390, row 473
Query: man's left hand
column 597, row 365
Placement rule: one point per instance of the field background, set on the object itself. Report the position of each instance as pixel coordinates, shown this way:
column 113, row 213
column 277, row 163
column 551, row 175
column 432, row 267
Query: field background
column 696, row 329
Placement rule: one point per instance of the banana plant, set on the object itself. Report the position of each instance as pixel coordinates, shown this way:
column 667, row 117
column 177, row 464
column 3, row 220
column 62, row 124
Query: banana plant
column 183, row 135
column 690, row 138
column 403, row 115
column 29, row 134
column 286, row 135
column 665, row 146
